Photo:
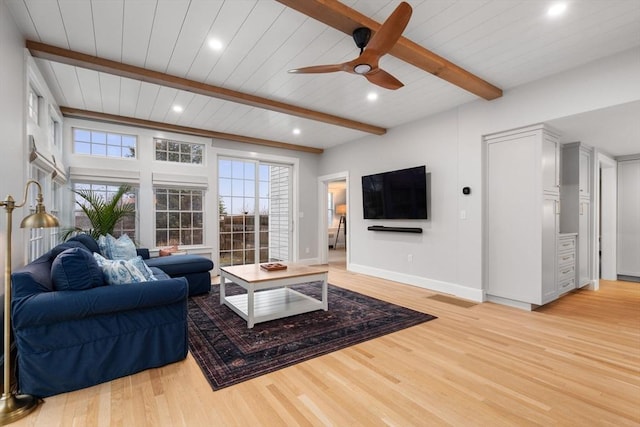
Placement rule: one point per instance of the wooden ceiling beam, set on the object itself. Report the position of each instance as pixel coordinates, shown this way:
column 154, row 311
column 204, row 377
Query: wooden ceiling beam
column 343, row 18
column 149, row 124
column 70, row 57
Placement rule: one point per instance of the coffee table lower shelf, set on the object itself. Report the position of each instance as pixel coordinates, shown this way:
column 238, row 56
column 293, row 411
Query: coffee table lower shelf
column 273, row 304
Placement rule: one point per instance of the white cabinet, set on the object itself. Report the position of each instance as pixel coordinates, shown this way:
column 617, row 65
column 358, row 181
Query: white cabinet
column 629, row 217
column 585, row 175
column 575, row 196
column 566, row 262
column 522, row 216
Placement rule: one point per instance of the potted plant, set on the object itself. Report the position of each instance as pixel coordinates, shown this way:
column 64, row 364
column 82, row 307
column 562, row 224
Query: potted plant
column 102, row 214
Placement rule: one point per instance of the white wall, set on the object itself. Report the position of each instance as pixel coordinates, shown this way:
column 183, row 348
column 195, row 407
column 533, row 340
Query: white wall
column 12, row 129
column 448, row 255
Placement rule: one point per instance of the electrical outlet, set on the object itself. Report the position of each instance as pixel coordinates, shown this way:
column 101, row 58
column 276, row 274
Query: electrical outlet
column 410, row 258
column 306, row 250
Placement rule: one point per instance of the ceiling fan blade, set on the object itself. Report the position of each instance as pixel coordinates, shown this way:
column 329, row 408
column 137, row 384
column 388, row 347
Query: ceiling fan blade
column 390, row 31
column 318, row 69
column 383, row 79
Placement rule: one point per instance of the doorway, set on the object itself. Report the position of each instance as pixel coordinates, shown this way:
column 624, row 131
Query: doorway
column 334, row 214
column 255, row 211
column 606, row 220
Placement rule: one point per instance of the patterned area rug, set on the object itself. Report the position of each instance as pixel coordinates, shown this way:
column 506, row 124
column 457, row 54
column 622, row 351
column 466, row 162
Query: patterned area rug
column 228, row 352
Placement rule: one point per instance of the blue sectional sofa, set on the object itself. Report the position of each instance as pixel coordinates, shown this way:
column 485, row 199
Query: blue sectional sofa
column 195, row 268
column 73, row 331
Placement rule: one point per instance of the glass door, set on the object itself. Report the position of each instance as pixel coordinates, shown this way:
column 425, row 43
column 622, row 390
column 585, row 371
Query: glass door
column 254, row 208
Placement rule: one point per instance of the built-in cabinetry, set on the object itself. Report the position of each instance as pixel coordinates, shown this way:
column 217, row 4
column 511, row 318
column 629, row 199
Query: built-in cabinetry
column 522, row 216
column 628, row 253
column 566, row 262
column 576, row 202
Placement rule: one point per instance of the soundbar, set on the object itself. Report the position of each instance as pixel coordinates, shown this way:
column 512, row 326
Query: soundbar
column 396, row 229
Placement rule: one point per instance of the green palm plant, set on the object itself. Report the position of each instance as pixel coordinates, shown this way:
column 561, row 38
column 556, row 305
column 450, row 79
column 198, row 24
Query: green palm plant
column 102, row 214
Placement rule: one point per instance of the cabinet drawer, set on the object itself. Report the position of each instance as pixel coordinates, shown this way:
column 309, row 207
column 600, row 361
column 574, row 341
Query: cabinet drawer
column 566, row 258
column 565, row 273
column 566, row 245
column 567, row 285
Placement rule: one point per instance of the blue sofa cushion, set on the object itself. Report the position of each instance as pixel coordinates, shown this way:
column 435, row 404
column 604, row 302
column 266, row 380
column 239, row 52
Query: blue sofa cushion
column 75, row 269
column 181, row 264
column 86, row 240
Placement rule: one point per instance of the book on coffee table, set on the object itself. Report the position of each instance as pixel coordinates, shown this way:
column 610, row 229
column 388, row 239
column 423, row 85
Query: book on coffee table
column 274, row 266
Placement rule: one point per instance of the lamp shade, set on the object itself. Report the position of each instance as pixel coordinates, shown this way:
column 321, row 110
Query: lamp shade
column 341, row 209
column 39, row 219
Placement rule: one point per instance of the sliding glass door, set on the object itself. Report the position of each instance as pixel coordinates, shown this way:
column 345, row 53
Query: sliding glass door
column 255, row 214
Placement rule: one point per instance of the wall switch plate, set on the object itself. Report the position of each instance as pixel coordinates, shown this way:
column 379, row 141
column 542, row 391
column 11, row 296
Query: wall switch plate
column 463, row 214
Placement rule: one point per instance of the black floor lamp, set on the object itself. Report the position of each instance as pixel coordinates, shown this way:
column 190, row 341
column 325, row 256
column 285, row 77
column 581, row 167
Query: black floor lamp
column 342, row 211
column 13, row 406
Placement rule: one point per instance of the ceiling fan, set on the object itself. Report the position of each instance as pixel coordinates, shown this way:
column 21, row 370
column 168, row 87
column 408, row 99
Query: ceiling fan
column 371, row 50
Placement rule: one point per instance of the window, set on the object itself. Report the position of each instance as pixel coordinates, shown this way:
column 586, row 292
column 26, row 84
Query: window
column 33, row 104
column 105, row 144
column 54, row 209
column 54, row 132
column 37, row 237
column 179, row 217
column 330, row 209
column 125, row 226
column 178, row 152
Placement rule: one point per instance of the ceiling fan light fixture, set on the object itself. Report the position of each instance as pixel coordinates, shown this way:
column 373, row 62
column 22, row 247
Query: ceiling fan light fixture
column 362, row 68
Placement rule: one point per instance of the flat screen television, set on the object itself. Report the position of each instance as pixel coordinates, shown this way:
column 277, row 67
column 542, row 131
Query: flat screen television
column 399, row 194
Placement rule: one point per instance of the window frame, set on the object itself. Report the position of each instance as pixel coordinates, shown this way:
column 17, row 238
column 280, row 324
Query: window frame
column 110, row 189
column 91, row 144
column 34, row 101
column 180, row 229
column 180, row 151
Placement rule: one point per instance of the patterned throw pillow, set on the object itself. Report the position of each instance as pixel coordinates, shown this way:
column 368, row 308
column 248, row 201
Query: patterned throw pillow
column 118, row 272
column 143, row 268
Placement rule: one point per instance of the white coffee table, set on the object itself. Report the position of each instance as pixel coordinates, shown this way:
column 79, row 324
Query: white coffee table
column 268, row 294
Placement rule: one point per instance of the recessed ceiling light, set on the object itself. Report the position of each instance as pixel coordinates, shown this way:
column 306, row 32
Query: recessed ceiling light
column 177, row 108
column 296, row 131
column 557, row 9
column 372, row 96
column 215, row 44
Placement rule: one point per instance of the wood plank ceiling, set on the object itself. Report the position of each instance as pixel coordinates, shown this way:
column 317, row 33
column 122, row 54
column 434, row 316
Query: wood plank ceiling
column 504, row 42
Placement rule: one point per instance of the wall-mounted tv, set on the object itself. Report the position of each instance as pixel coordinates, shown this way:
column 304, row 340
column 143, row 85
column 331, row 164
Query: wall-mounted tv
column 399, row 194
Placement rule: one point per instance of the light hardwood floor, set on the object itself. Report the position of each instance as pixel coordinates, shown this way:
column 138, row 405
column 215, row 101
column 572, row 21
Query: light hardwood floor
column 575, row 362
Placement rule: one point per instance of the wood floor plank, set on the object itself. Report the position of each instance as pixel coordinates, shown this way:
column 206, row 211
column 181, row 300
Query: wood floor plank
column 573, row 362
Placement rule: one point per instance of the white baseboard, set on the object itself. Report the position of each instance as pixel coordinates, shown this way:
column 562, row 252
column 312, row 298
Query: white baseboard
column 422, row 282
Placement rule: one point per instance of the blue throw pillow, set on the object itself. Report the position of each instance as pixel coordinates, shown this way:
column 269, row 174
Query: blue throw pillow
column 75, row 269
column 143, row 268
column 64, row 246
column 120, row 248
column 86, row 240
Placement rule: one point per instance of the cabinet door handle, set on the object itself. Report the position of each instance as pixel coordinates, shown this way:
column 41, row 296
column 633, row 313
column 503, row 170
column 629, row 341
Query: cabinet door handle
column 566, row 271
